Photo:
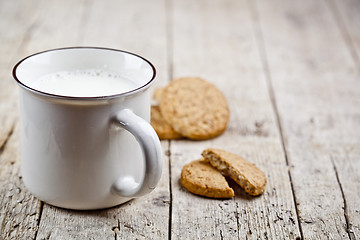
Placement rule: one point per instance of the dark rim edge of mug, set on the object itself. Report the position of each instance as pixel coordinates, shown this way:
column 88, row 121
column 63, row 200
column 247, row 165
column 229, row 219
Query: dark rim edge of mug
column 107, row 97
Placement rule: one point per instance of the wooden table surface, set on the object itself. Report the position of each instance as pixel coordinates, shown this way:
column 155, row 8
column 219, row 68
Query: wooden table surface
column 291, row 73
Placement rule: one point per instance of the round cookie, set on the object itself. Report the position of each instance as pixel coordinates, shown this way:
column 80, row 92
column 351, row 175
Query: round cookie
column 161, row 127
column 195, row 108
column 158, row 94
column 200, row 178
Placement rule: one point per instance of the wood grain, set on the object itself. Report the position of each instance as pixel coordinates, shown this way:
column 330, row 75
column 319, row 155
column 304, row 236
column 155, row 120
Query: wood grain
column 290, row 71
column 19, row 210
column 224, row 51
column 13, row 31
column 143, row 217
column 346, row 14
column 315, row 82
column 134, row 26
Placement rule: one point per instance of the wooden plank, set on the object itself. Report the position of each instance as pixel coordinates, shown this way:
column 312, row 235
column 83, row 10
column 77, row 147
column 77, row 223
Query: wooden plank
column 346, row 14
column 216, row 40
column 147, row 217
column 58, row 24
column 32, row 28
column 316, row 92
column 138, row 27
column 111, row 24
column 14, row 28
column 141, row 218
column 19, row 210
column 22, row 33
column 219, row 41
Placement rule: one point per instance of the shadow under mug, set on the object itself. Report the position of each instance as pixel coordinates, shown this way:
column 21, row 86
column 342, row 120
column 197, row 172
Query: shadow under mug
column 87, row 152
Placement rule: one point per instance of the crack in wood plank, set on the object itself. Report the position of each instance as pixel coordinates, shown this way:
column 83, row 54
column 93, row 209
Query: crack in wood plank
column 348, row 225
column 4, row 141
column 58, row 223
column 19, row 214
column 214, row 36
column 262, row 50
column 170, row 191
column 116, row 229
column 307, row 148
column 238, row 221
column 169, row 56
column 40, row 210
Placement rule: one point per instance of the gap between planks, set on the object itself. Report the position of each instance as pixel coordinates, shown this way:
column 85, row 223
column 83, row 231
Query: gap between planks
column 39, row 219
column 348, row 41
column 169, row 55
column 351, row 48
column 168, row 154
column 23, row 46
column 262, row 51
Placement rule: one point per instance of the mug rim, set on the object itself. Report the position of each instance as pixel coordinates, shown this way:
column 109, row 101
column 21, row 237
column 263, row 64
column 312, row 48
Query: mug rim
column 106, row 97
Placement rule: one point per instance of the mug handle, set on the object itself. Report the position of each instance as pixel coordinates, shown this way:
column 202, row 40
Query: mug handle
column 126, row 186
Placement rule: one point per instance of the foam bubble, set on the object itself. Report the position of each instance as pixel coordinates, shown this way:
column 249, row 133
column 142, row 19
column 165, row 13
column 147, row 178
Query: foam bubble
column 84, row 83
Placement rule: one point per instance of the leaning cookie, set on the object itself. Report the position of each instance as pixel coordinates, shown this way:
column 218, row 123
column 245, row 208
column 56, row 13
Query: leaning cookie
column 244, row 173
column 161, row 127
column 200, row 178
column 158, row 94
column 195, row 108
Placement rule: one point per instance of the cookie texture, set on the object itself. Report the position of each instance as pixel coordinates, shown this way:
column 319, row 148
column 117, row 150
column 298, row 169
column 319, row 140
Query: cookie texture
column 195, row 108
column 161, row 127
column 244, row 173
column 200, row 178
column 158, row 94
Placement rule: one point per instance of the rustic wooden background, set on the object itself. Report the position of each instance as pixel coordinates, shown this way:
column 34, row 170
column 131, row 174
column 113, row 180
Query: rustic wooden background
column 291, row 73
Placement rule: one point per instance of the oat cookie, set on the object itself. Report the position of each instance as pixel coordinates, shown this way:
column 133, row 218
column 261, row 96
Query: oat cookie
column 200, row 178
column 195, row 108
column 161, row 127
column 158, row 94
column 246, row 174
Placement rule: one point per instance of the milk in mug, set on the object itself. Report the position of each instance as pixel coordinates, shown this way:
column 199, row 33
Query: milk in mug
column 83, row 83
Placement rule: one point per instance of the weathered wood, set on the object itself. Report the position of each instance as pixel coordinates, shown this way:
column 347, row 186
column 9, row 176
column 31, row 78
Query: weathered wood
column 143, row 217
column 317, row 91
column 291, row 73
column 147, row 217
column 13, row 30
column 346, row 14
column 216, row 40
column 134, row 26
column 19, row 211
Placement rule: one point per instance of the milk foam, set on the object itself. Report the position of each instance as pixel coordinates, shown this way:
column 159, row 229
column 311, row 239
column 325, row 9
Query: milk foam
column 83, row 83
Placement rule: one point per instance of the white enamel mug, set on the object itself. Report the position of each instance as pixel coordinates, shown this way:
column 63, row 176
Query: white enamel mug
column 87, row 152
